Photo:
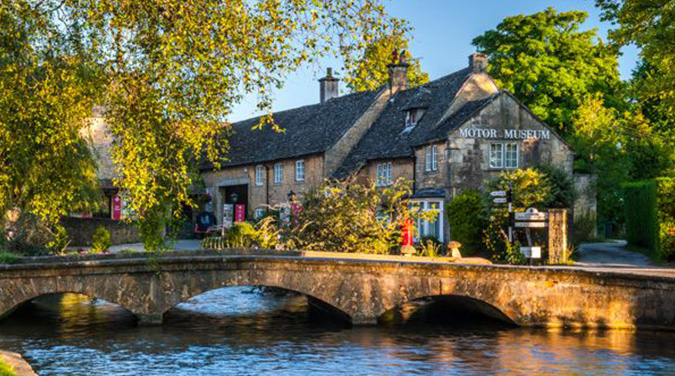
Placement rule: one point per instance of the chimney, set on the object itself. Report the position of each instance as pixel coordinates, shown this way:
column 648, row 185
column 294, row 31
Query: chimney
column 478, row 63
column 329, row 86
column 398, row 72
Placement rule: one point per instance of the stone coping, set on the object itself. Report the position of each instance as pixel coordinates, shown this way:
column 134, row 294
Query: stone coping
column 16, row 361
column 356, row 260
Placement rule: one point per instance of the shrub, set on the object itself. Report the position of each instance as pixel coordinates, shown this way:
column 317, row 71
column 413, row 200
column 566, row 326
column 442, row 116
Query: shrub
column 584, row 228
column 100, row 241
column 9, row 258
column 6, row 369
column 563, row 191
column 641, row 216
column 467, row 219
column 342, row 216
column 241, row 235
column 430, row 247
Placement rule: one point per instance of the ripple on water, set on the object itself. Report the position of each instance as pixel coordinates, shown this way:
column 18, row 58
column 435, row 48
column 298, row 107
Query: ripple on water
column 239, row 331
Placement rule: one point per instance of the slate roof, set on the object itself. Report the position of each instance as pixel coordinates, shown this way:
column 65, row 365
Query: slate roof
column 386, row 139
column 308, row 130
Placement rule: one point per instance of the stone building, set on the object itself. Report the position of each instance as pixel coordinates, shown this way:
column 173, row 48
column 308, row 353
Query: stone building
column 450, row 134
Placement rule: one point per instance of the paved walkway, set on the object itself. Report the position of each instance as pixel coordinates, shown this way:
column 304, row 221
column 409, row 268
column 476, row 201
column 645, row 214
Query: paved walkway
column 610, row 254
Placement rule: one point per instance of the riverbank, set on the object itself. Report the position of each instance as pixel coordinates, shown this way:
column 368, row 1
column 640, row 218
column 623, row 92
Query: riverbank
column 16, row 362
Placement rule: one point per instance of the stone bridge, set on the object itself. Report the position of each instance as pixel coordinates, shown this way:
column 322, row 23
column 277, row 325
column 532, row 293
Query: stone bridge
column 362, row 290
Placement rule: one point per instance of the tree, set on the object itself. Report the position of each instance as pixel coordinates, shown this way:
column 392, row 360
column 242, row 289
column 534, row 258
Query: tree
column 600, row 146
column 649, row 25
column 550, row 65
column 173, row 70
column 371, row 72
column 177, row 67
column 47, row 90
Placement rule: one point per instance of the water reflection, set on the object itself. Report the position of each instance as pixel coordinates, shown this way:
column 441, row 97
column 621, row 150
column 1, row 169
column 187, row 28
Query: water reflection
column 240, row 331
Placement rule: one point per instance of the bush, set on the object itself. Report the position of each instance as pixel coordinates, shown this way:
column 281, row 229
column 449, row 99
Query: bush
column 9, row 258
column 100, row 241
column 563, row 191
column 430, row 247
column 665, row 201
column 6, row 369
column 584, row 228
column 467, row 219
column 641, row 215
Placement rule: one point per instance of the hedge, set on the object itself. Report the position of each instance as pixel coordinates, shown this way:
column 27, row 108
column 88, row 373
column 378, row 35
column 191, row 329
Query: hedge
column 649, row 208
column 466, row 219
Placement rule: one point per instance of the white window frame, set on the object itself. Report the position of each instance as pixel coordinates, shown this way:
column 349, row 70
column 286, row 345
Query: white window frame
column 427, row 159
column 383, row 174
column 259, row 174
column 507, row 159
column 278, row 173
column 434, row 158
column 300, row 170
column 502, row 155
column 423, row 226
column 493, row 155
column 411, row 118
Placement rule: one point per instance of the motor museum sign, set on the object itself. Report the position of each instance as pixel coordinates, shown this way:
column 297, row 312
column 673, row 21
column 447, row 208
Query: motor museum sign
column 510, row 134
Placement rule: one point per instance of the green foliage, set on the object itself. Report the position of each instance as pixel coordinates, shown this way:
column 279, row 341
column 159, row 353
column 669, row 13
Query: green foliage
column 101, row 240
column 563, row 190
column 665, row 201
column 343, row 216
column 641, row 215
column 9, row 258
column 550, row 64
column 430, row 247
column 371, row 72
column 265, row 234
column 48, row 86
column 59, row 241
column 467, row 218
column 6, row 369
column 597, row 140
column 531, row 188
column 649, row 25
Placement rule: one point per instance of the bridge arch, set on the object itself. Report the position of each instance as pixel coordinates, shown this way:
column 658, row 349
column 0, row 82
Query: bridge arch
column 313, row 300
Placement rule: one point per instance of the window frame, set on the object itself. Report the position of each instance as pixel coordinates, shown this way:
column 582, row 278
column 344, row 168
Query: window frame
column 259, row 175
column 423, row 226
column 383, row 174
column 298, row 163
column 278, row 173
column 503, row 165
column 434, row 158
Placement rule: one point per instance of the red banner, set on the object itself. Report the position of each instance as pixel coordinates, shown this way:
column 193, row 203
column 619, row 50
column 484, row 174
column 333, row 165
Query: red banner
column 239, row 213
column 407, row 233
column 116, row 207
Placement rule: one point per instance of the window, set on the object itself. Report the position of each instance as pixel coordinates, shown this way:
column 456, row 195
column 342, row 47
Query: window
column 278, row 173
column 511, row 156
column 300, row 170
column 411, row 118
column 431, row 158
column 259, row 213
column 430, row 228
column 496, row 155
column 504, row 155
column 259, row 172
column 383, row 174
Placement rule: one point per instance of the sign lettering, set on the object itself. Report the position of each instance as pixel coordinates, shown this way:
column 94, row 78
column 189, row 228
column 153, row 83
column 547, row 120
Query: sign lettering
column 531, row 224
column 509, row 134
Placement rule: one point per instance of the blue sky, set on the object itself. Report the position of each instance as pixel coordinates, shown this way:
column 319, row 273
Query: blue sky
column 443, row 30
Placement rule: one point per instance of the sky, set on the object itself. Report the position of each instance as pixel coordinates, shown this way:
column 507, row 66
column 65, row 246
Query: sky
column 443, row 30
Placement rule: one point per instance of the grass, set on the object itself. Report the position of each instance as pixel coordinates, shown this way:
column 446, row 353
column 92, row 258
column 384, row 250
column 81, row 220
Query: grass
column 652, row 254
column 9, row 258
column 6, row 369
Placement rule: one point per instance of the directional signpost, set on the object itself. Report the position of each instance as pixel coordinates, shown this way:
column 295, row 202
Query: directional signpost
column 499, row 200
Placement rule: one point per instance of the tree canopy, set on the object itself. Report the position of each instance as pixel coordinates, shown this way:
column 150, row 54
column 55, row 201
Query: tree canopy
column 47, row 89
column 550, row 64
column 171, row 71
column 649, row 25
column 370, row 71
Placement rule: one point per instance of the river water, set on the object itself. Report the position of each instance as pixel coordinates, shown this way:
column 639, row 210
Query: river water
column 240, row 331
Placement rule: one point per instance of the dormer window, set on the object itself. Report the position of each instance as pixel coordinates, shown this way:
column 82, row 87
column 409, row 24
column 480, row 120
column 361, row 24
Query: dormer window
column 412, row 117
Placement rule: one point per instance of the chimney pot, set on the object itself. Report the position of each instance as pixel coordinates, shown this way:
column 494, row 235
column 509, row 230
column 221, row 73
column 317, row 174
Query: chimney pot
column 329, row 86
column 478, row 62
column 398, row 71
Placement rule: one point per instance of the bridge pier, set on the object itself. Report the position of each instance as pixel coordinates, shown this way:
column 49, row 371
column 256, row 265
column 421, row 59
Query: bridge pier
column 150, row 319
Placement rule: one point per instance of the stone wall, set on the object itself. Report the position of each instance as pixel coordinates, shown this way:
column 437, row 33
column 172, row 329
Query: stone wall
column 431, row 179
column 469, row 157
column 81, row 230
column 269, row 193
